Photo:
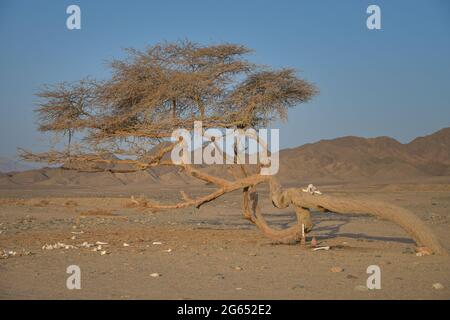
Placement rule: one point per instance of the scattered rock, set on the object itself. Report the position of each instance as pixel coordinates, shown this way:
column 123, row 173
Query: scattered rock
column 97, row 248
column 336, row 269
column 420, row 254
column 126, row 244
column 321, row 248
column 438, row 286
column 8, row 253
column 157, row 242
column 58, row 245
column 238, row 268
column 423, row 251
column 5, row 254
column 86, row 245
column 155, row 275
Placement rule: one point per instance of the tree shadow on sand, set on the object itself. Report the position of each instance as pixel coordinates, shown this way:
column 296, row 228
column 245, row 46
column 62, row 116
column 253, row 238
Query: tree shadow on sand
column 334, row 231
column 286, row 219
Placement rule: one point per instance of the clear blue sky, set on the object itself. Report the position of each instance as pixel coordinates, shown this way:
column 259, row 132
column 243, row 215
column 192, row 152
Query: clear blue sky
column 393, row 82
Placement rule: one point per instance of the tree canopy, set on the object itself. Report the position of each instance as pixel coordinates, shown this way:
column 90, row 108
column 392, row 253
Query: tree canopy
column 151, row 92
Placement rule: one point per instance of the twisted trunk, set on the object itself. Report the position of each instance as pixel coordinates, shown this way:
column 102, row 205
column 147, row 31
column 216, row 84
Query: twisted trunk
column 303, row 202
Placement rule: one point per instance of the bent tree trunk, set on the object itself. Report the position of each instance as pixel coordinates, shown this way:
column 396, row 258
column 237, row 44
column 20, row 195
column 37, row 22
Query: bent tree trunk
column 304, row 202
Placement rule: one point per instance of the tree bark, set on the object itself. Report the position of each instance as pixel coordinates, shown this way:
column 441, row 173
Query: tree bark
column 174, row 109
column 415, row 227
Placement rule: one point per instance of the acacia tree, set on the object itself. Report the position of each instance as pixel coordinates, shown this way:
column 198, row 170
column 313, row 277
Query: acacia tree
column 172, row 85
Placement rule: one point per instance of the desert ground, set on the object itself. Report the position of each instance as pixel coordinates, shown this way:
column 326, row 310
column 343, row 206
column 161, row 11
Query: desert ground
column 213, row 252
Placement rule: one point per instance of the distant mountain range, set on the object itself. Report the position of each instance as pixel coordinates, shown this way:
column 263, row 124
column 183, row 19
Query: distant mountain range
column 342, row 159
column 8, row 164
column 350, row 158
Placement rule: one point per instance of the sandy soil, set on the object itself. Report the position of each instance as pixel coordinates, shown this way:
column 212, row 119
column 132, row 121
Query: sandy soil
column 213, row 253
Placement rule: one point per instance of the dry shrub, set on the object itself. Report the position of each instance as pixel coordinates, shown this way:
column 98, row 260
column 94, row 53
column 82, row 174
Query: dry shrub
column 70, row 203
column 41, row 203
column 139, row 202
column 131, row 204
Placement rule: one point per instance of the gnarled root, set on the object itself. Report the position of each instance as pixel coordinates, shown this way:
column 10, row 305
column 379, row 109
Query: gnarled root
column 289, row 235
column 421, row 234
